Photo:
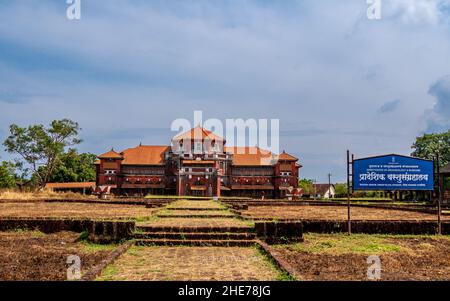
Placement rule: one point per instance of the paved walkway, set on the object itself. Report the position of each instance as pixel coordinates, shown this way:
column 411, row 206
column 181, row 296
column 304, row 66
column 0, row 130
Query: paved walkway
column 196, row 222
column 192, row 263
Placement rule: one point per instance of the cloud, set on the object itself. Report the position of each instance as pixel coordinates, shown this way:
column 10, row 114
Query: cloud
column 419, row 12
column 439, row 116
column 389, row 106
column 128, row 68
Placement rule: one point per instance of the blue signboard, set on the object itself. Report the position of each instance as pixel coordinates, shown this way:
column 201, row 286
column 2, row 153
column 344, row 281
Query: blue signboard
column 393, row 172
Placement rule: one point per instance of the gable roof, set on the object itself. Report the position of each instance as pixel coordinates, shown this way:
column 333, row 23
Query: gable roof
column 322, row 188
column 145, row 155
column 286, row 157
column 110, row 155
column 198, row 133
column 251, row 156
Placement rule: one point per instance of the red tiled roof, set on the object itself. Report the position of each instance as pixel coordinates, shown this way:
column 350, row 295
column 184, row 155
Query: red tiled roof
column 251, row 156
column 110, row 155
column 286, row 157
column 197, row 134
column 145, row 155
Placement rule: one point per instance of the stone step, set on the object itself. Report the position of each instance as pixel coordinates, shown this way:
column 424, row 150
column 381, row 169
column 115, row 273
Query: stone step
column 194, row 216
column 195, row 209
column 195, row 229
column 195, row 236
column 197, row 243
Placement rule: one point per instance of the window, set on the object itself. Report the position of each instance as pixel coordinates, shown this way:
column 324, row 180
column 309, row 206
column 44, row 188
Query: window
column 198, row 147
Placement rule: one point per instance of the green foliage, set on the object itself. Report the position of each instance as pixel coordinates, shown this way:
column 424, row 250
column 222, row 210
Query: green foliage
column 83, row 236
column 341, row 189
column 74, row 167
column 7, row 175
column 307, row 186
column 40, row 148
column 428, row 145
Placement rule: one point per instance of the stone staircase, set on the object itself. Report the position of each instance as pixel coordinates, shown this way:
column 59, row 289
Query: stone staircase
column 186, row 234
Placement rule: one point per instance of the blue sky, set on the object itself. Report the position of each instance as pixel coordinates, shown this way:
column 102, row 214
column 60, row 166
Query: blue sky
column 128, row 68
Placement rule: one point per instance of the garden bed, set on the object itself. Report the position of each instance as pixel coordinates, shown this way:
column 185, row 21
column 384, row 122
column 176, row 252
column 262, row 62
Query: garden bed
column 343, row 257
column 74, row 210
column 334, row 213
column 33, row 255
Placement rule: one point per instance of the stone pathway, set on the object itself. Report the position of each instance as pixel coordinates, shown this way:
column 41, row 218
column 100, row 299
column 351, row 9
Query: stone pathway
column 188, row 244
column 191, row 263
column 195, row 222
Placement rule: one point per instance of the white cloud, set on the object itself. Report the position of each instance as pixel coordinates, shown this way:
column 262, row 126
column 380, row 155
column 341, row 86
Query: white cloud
column 139, row 64
column 418, row 12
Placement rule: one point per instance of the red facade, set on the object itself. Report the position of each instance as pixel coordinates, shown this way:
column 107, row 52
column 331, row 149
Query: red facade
column 197, row 163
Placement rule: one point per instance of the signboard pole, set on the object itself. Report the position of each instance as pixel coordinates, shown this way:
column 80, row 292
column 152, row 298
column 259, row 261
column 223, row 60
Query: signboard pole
column 439, row 194
column 349, row 225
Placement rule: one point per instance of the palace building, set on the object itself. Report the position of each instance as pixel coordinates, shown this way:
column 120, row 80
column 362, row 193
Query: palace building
column 197, row 163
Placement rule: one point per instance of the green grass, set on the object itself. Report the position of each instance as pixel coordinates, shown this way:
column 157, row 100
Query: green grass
column 93, row 247
column 34, row 233
column 108, row 273
column 344, row 244
column 282, row 275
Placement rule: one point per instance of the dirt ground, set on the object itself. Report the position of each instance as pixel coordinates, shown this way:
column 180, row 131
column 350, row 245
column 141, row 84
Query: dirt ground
column 336, row 257
column 334, row 213
column 74, row 210
column 37, row 256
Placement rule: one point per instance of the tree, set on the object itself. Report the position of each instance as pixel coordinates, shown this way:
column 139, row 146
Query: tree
column 428, row 145
column 40, row 148
column 74, row 167
column 7, row 175
column 307, row 186
column 341, row 189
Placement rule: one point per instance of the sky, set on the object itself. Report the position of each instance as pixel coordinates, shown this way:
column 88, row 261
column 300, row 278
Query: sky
column 335, row 79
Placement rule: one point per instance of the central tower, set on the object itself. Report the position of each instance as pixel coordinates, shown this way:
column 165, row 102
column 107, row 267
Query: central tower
column 200, row 163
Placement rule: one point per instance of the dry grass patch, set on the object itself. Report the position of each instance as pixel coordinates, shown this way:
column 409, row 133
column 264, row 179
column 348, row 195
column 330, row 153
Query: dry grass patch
column 335, row 213
column 39, row 195
column 196, row 205
column 74, row 210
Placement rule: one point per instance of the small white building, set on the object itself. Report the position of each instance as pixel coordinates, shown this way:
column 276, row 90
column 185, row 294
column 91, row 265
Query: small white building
column 325, row 191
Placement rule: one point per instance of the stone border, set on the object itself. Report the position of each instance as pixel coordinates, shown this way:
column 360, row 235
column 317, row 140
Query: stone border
column 395, row 227
column 96, row 271
column 276, row 232
column 243, row 205
column 80, row 201
column 280, row 262
column 99, row 231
